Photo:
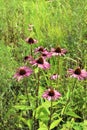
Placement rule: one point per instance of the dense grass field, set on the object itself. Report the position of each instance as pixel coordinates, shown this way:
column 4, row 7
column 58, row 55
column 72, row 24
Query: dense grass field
column 43, row 64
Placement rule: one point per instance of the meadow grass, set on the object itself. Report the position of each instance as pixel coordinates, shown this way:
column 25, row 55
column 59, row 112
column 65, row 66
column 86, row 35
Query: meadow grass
column 55, row 23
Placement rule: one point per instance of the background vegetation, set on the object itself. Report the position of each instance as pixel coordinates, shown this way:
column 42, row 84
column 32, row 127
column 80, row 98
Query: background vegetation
column 56, row 22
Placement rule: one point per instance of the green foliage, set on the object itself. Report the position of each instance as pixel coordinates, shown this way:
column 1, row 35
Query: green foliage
column 8, row 65
column 55, row 123
column 55, row 23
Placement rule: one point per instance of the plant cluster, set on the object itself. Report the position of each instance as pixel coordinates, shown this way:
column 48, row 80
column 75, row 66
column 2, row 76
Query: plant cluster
column 43, row 82
column 43, row 114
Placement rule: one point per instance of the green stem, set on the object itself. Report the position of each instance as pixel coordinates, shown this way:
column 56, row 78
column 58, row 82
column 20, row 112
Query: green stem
column 50, row 117
column 37, row 89
column 31, row 50
column 58, row 64
column 36, row 123
column 29, row 113
column 58, row 69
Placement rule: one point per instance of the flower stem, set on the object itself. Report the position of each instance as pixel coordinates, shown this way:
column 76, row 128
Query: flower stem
column 50, row 117
column 31, row 50
column 36, row 122
column 58, row 69
column 58, row 64
column 37, row 89
column 28, row 102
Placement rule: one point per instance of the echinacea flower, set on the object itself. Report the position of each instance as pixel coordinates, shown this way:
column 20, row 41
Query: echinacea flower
column 41, row 63
column 26, row 58
column 40, row 49
column 23, row 72
column 46, row 54
column 78, row 73
column 31, row 40
column 51, row 94
column 54, row 76
column 58, row 51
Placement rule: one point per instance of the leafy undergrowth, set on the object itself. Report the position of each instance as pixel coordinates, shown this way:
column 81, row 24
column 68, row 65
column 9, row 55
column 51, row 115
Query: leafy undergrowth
column 43, row 88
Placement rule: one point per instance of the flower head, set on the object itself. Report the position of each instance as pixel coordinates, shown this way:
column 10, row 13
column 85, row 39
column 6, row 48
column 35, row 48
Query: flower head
column 31, row 40
column 23, row 72
column 51, row 94
column 28, row 58
column 58, row 51
column 40, row 49
column 41, row 63
column 78, row 73
column 46, row 54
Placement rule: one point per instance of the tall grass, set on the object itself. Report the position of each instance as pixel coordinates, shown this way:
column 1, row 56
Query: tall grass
column 56, row 23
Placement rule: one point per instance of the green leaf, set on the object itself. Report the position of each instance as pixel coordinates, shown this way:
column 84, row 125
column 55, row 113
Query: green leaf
column 55, row 123
column 55, row 115
column 43, row 126
column 73, row 114
column 36, row 70
column 27, row 122
column 46, row 104
column 85, row 125
column 42, row 113
column 22, row 107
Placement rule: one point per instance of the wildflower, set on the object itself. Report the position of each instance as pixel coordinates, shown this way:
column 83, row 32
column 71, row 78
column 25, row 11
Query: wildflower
column 58, row 51
column 54, row 76
column 31, row 40
column 23, row 72
column 78, row 73
column 41, row 63
column 28, row 58
column 46, row 54
column 40, row 49
column 51, row 94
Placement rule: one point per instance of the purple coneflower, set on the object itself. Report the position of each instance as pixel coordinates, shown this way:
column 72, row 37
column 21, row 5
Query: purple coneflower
column 23, row 72
column 46, row 54
column 51, row 94
column 58, row 51
column 41, row 63
column 54, row 76
column 31, row 40
column 26, row 58
column 78, row 73
column 40, row 49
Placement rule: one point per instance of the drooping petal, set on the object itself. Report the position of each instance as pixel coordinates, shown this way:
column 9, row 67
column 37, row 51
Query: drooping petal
column 78, row 73
column 41, row 63
column 58, row 51
column 22, row 72
column 51, row 94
